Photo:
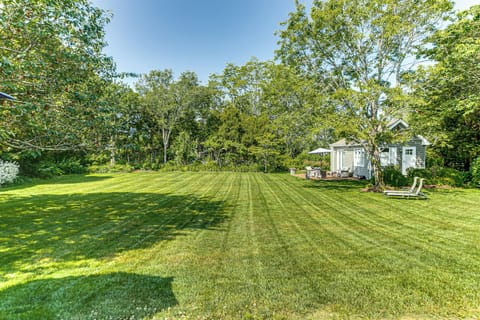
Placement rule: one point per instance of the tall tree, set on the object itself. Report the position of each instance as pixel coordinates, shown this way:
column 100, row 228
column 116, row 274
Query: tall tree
column 450, row 90
column 166, row 100
column 264, row 88
column 154, row 88
column 48, row 50
column 358, row 51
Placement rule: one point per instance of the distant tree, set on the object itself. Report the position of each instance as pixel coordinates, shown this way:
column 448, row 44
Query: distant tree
column 167, row 100
column 358, row 51
column 115, row 118
column 241, row 85
column 230, row 134
column 292, row 103
column 262, row 141
column 264, row 88
column 184, row 148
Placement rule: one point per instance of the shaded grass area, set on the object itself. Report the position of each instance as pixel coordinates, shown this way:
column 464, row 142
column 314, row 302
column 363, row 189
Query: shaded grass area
column 234, row 245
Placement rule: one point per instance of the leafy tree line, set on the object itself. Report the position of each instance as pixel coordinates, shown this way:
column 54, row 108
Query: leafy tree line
column 251, row 115
column 343, row 70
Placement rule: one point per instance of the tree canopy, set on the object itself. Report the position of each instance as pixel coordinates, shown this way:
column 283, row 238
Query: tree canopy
column 449, row 109
column 50, row 51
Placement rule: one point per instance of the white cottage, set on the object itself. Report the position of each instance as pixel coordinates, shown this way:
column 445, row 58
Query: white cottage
column 351, row 158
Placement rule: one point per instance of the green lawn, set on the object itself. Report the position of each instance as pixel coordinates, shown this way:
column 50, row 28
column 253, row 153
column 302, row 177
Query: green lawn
column 234, row 245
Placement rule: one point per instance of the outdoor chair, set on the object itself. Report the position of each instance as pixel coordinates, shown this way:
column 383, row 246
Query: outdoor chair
column 417, row 194
column 411, row 190
column 309, row 173
column 343, row 173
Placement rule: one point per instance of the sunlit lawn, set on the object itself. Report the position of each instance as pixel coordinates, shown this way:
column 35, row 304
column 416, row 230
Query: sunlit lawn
column 234, row 245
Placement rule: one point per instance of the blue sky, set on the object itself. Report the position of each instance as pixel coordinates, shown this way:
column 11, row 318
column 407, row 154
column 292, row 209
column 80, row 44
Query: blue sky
column 195, row 35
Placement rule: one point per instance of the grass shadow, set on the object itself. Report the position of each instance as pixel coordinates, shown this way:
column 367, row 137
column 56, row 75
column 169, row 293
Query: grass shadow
column 104, row 296
column 62, row 228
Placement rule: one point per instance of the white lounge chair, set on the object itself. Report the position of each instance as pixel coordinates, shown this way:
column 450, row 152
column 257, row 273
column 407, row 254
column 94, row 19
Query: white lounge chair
column 412, row 188
column 416, row 194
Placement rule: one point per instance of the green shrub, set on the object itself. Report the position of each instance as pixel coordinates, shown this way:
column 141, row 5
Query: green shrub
column 450, row 177
column 394, row 177
column 72, row 166
column 97, row 159
column 440, row 176
column 48, row 170
column 422, row 173
column 475, row 172
column 304, row 159
column 211, row 166
column 149, row 165
column 110, row 169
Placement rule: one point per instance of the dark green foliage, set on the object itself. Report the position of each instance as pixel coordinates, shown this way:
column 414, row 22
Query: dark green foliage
column 475, row 172
column 394, row 177
column 422, row 173
column 440, row 176
column 48, row 170
column 110, row 169
column 449, row 108
column 184, row 148
column 211, row 166
column 313, row 160
column 72, row 166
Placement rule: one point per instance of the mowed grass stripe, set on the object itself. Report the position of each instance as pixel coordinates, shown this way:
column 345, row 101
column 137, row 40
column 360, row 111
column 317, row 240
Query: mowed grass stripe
column 219, row 258
column 115, row 216
column 426, row 229
column 369, row 217
column 294, row 213
column 234, row 245
column 281, row 254
column 331, row 216
column 200, row 189
column 412, row 242
column 410, row 248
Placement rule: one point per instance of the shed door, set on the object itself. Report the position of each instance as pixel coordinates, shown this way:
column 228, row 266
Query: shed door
column 409, row 158
column 340, row 156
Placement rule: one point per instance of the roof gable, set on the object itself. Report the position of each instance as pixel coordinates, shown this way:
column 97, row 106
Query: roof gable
column 398, row 124
column 343, row 143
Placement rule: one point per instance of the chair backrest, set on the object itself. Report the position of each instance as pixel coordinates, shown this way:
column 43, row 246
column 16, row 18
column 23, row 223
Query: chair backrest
column 308, row 168
column 412, row 188
column 419, row 186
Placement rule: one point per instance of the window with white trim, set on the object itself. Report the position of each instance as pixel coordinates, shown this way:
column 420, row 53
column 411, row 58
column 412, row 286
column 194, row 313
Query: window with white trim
column 359, row 157
column 393, row 156
column 388, row 157
column 384, row 157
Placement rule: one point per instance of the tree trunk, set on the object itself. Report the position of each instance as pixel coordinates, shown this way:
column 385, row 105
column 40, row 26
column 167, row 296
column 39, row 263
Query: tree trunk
column 113, row 161
column 165, row 138
column 377, row 171
column 164, row 152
